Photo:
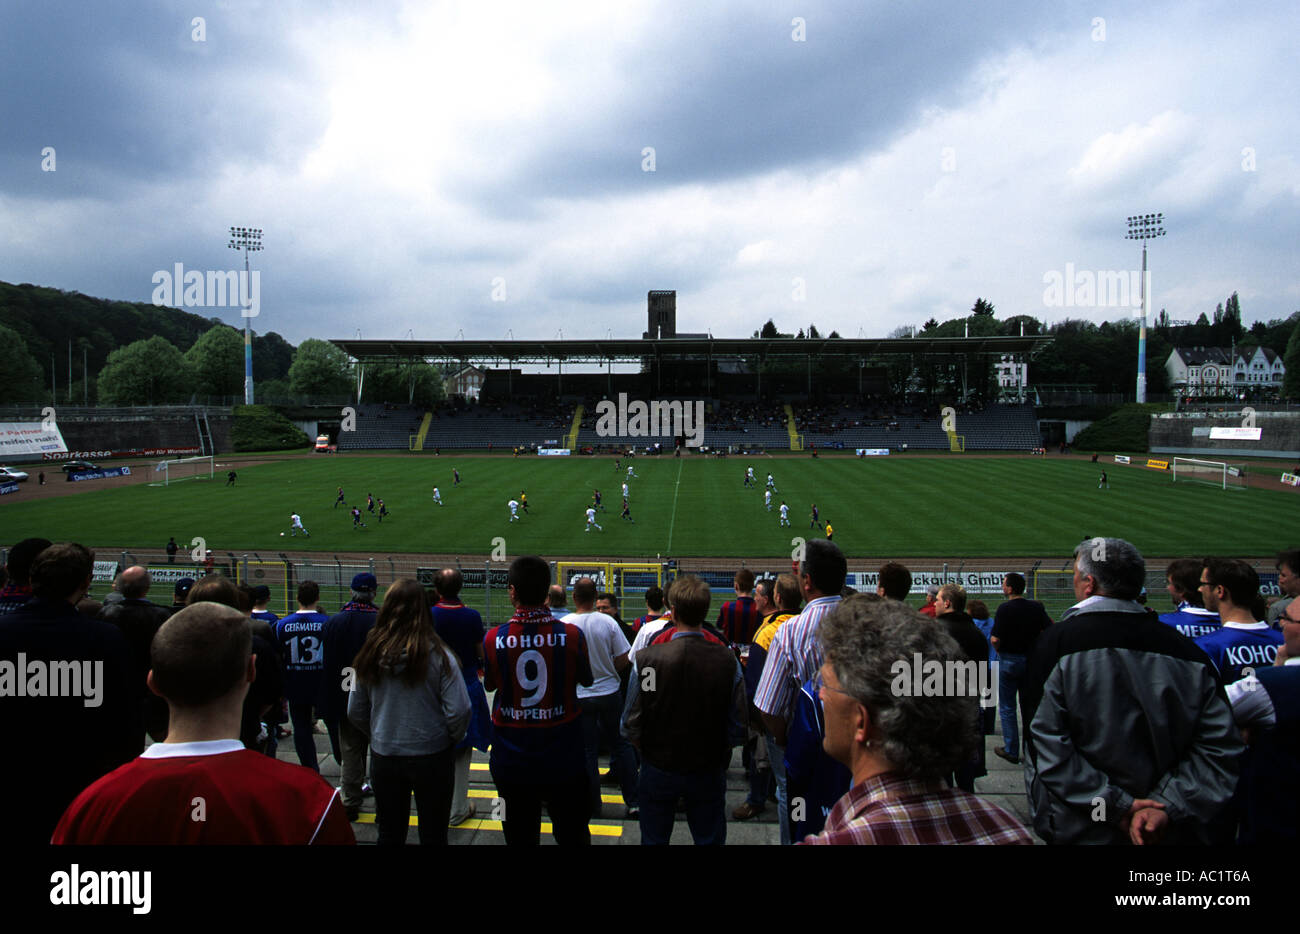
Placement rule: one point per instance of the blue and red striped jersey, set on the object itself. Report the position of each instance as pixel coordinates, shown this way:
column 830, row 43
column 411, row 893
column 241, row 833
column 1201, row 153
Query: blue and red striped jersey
column 738, row 620
column 536, row 663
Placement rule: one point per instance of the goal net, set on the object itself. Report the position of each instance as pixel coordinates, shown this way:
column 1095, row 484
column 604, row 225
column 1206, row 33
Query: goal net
column 187, row 468
column 1216, row 473
column 621, row 578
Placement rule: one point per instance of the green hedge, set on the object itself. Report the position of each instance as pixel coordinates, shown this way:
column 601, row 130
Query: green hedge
column 258, row 428
column 1123, row 430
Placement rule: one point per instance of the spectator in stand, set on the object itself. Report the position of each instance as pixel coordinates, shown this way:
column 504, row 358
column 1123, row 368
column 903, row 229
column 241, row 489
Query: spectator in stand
column 928, row 608
column 1288, row 581
column 602, row 702
column 343, row 636
column 1242, row 644
column 1266, row 706
column 18, row 589
column 139, row 620
column 180, row 593
column 983, row 619
column 894, row 581
column 758, row 767
column 1137, row 752
column 536, row 662
column 202, row 665
column 461, row 627
column 651, row 630
column 686, row 710
column 409, row 698
column 607, row 603
column 738, row 618
column 261, row 597
column 794, row 656
column 654, row 605
column 950, row 611
column 85, row 720
column 1016, row 629
column 555, row 598
column 898, row 746
column 300, row 638
column 1190, row 617
column 264, row 696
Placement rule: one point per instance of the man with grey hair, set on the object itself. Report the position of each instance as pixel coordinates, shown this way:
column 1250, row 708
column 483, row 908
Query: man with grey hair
column 1128, row 735
column 897, row 738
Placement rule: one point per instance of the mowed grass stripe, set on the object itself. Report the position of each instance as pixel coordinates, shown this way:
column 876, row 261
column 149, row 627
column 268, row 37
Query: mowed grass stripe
column 897, row 506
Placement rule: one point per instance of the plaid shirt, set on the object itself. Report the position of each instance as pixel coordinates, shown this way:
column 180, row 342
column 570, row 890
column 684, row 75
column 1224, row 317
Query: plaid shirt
column 891, row 809
column 793, row 658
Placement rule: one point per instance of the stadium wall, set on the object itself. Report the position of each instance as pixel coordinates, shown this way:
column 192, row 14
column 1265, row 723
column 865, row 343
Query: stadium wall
column 137, row 429
column 1187, row 434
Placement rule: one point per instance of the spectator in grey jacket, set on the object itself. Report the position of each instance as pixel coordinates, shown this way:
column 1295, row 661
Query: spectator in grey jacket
column 1129, row 736
column 409, row 697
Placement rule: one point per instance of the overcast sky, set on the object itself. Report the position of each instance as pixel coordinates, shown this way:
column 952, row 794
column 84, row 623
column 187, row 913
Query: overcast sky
column 860, row 165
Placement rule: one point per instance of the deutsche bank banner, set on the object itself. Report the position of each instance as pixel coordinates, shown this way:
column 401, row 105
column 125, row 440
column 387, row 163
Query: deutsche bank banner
column 553, row 452
column 29, row 438
column 8, row 488
column 872, row 452
column 99, row 474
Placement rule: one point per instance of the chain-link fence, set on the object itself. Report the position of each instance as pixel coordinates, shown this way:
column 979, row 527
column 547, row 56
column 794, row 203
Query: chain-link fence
column 486, row 589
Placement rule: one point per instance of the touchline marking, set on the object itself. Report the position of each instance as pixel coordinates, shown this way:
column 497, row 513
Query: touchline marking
column 673, row 519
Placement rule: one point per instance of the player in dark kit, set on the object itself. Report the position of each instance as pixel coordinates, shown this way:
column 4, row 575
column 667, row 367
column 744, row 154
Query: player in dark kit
column 814, row 523
column 230, row 478
column 383, row 510
column 596, row 497
column 1104, row 482
column 455, row 477
column 340, row 499
column 356, row 517
column 370, row 502
column 627, row 511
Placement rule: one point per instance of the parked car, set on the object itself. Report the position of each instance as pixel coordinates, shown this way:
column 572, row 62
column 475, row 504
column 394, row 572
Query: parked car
column 79, row 466
column 9, row 474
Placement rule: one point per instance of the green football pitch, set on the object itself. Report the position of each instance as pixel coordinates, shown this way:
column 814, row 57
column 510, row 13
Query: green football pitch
column 937, row 507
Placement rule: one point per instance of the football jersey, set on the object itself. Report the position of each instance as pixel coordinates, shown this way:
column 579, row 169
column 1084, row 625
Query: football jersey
column 1237, row 646
column 209, row 793
column 537, row 663
column 301, row 639
column 738, row 620
column 1192, row 621
column 591, row 515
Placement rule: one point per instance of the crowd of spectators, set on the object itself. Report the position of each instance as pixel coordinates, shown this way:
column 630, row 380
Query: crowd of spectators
column 1131, row 726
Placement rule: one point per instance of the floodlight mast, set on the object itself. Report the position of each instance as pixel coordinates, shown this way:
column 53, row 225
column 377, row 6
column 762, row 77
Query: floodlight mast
column 248, row 239
column 1144, row 227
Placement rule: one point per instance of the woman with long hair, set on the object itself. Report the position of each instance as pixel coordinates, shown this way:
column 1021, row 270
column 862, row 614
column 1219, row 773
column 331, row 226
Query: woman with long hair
column 409, row 697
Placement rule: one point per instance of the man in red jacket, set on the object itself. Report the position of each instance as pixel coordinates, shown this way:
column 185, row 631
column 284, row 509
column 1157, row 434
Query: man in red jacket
column 202, row 785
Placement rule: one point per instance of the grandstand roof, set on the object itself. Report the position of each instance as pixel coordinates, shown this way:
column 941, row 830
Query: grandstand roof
column 589, row 351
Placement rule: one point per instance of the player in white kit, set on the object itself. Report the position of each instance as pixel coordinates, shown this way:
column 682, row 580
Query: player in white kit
column 630, row 474
column 767, row 499
column 591, row 520
column 625, row 491
column 514, row 509
column 437, row 497
column 296, row 526
column 785, row 513
column 771, row 484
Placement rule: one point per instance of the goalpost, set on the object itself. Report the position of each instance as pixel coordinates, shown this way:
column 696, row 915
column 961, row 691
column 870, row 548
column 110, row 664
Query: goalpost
column 187, row 468
column 620, row 578
column 1217, row 473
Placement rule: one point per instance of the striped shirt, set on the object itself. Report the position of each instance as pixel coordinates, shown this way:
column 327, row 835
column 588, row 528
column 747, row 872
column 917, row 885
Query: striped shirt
column 793, row 658
column 891, row 809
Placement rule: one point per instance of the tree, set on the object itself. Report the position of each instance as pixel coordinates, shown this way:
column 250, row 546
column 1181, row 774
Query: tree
column 1291, row 381
column 982, row 309
column 218, row 361
column 272, row 357
column 930, row 325
column 769, row 331
column 147, row 372
column 812, row 332
column 20, row 377
column 392, row 383
column 320, row 369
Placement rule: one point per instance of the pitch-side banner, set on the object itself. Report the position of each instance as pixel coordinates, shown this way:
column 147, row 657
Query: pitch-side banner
column 1291, row 478
column 872, row 452
column 553, row 452
column 30, row 438
column 971, row 581
column 1235, row 434
column 82, row 475
column 1121, row 458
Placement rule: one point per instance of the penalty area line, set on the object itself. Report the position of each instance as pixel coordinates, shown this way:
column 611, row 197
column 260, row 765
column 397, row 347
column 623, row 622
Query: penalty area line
column 673, row 519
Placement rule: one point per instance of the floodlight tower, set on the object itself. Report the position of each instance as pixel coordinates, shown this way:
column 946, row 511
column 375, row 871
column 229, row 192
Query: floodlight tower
column 1144, row 227
column 248, row 239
